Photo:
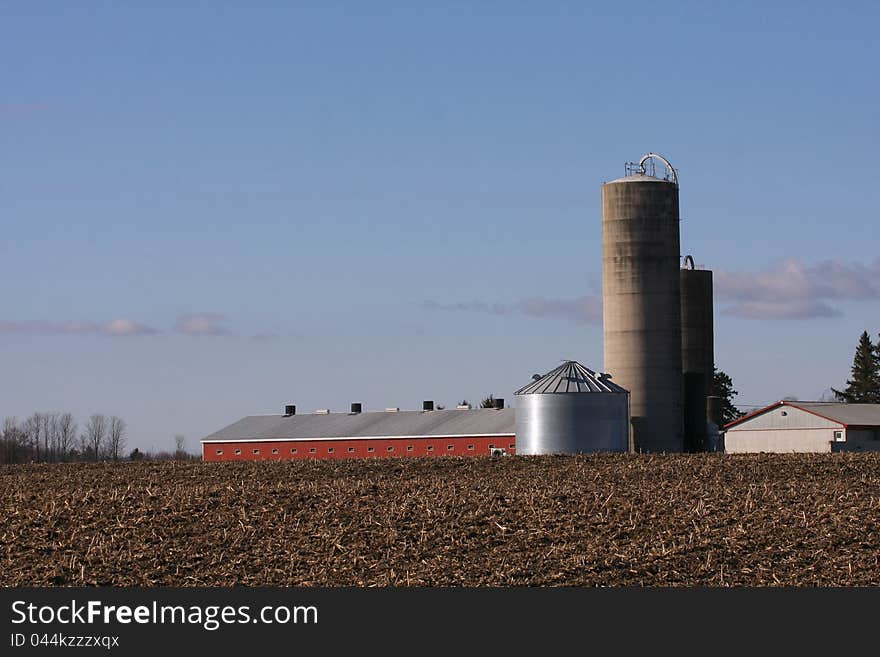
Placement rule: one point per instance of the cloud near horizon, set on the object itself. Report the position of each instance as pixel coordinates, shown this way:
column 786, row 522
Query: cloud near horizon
column 194, row 324
column 115, row 327
column 782, row 310
column 201, row 324
column 788, row 289
column 24, row 108
column 586, row 309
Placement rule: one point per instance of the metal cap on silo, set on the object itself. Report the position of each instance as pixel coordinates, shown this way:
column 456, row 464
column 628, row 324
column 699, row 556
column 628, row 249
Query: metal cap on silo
column 571, row 410
column 644, row 171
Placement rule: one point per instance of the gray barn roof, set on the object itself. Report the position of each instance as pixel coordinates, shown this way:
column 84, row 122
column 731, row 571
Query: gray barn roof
column 850, row 415
column 382, row 424
column 571, row 376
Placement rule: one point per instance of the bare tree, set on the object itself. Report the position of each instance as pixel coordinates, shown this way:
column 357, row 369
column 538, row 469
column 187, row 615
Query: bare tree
column 13, row 441
column 31, row 428
column 43, row 433
column 47, row 435
column 50, row 436
column 65, row 427
column 179, row 447
column 116, row 437
column 94, row 435
column 51, row 433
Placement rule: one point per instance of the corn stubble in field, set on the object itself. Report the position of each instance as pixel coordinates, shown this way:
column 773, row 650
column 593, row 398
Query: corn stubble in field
column 586, row 520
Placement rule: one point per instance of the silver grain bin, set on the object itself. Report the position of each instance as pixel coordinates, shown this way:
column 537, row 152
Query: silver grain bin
column 572, row 410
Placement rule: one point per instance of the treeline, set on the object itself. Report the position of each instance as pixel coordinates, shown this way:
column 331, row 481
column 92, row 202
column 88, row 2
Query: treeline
column 55, row 437
column 863, row 386
column 179, row 453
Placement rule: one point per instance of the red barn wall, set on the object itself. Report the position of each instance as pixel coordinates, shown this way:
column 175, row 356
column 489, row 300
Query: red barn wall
column 355, row 448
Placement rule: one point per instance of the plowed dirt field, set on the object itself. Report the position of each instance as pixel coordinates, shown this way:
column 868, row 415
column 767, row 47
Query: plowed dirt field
column 631, row 520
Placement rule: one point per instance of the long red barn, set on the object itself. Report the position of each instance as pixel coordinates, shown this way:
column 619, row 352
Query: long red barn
column 392, row 433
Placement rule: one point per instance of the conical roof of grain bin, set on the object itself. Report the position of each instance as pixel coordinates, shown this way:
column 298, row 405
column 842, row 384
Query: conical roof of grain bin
column 572, row 410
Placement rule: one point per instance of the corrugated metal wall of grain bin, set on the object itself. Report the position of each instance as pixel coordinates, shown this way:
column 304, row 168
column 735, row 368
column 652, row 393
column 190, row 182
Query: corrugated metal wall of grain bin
column 572, row 410
column 642, row 305
column 697, row 353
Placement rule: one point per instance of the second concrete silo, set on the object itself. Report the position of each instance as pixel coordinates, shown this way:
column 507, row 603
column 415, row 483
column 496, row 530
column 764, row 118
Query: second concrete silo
column 642, row 303
column 697, row 351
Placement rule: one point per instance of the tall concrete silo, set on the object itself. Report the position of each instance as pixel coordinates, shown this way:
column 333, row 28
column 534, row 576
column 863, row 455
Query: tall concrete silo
column 642, row 301
column 697, row 351
column 572, row 410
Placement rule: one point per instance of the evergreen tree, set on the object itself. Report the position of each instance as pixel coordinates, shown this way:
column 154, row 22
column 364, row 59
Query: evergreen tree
column 722, row 386
column 864, row 385
column 877, row 357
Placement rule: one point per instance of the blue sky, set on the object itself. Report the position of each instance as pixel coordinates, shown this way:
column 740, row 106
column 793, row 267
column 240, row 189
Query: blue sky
column 212, row 208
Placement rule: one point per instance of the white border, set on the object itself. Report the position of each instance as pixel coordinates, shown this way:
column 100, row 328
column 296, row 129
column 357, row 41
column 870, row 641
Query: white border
column 289, row 440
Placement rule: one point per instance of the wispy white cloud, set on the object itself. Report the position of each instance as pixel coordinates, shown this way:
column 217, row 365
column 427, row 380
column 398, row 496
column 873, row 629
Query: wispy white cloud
column 582, row 309
column 791, row 279
column 782, row 310
column 195, row 324
column 791, row 289
column 127, row 327
column 201, row 324
column 788, row 289
column 24, row 108
column 115, row 327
